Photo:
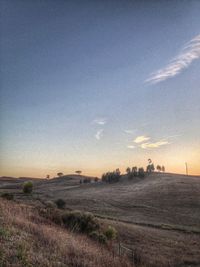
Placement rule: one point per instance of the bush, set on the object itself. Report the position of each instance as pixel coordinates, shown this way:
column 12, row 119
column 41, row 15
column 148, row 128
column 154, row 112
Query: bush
column 86, row 180
column 8, row 196
column 101, row 238
column 80, row 222
column 50, row 204
column 51, row 214
column 60, row 203
column 28, row 187
column 111, row 233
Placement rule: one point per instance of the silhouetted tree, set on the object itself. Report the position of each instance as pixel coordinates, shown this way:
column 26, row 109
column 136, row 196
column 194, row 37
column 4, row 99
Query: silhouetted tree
column 158, row 168
column 78, row 172
column 134, row 171
column 48, row 176
column 128, row 170
column 141, row 173
column 60, row 174
column 111, row 177
column 150, row 168
column 163, row 168
column 117, row 171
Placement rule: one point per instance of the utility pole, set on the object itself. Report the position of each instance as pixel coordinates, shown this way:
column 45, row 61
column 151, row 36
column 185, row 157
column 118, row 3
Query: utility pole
column 186, row 168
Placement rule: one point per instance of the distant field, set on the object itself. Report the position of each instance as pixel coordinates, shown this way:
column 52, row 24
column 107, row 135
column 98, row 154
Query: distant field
column 159, row 214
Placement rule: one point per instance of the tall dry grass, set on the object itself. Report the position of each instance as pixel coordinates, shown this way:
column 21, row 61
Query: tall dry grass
column 26, row 239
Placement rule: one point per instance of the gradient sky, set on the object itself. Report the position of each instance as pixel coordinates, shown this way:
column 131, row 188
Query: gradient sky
column 97, row 85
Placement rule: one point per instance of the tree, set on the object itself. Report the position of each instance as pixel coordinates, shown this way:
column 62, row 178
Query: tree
column 117, row 171
column 60, row 174
column 163, row 168
column 128, row 170
column 150, row 167
column 141, row 173
column 78, row 172
column 158, row 168
column 48, row 176
column 134, row 171
column 111, row 177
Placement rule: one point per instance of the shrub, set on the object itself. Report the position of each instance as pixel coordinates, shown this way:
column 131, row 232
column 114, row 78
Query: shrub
column 111, row 233
column 50, row 204
column 80, row 222
column 28, row 187
column 86, row 180
column 60, row 203
column 99, row 237
column 8, row 196
column 102, row 239
column 51, row 214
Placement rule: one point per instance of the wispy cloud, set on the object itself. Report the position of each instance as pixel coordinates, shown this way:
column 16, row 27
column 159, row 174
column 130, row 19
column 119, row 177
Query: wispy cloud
column 100, row 121
column 129, row 131
column 154, row 145
column 99, row 134
column 130, row 146
column 188, row 54
column 141, row 139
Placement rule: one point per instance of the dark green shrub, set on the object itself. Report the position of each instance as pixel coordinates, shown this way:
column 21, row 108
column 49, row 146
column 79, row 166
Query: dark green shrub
column 60, row 203
column 94, row 235
column 28, row 187
column 80, row 222
column 111, row 233
column 99, row 237
column 102, row 239
column 8, row 196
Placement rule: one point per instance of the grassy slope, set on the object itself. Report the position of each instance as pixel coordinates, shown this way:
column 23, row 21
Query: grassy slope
column 158, row 215
column 157, row 199
column 28, row 240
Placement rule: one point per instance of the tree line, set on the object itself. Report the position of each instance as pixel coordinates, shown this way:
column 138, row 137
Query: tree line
column 114, row 176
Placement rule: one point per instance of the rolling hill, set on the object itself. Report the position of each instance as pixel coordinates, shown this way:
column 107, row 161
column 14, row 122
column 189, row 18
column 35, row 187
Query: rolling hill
column 159, row 214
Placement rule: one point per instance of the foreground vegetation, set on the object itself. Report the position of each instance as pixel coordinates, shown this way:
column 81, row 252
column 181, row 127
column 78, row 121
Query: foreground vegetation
column 28, row 239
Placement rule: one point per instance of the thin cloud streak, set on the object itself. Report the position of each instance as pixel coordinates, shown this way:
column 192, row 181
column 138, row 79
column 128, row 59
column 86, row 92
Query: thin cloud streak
column 99, row 134
column 154, row 145
column 188, row 54
column 129, row 131
column 141, row 139
column 100, row 121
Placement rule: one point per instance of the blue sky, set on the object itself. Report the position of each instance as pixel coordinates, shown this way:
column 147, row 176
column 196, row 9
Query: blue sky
column 77, row 87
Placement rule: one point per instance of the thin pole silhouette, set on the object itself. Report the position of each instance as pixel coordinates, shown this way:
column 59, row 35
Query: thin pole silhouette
column 186, row 168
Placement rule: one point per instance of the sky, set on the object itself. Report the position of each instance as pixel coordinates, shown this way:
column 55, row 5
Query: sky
column 99, row 85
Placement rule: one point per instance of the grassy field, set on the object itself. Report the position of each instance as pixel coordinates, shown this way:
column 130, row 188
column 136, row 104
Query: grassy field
column 158, row 215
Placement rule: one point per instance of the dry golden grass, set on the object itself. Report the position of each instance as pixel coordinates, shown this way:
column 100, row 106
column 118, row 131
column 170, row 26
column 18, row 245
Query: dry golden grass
column 27, row 240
